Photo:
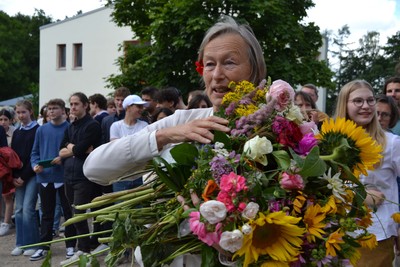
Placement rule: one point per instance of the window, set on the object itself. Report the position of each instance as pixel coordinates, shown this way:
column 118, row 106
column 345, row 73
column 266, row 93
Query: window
column 61, row 56
column 77, row 55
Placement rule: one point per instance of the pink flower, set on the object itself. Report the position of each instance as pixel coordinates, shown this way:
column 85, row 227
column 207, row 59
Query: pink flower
column 226, row 198
column 291, row 181
column 288, row 133
column 306, row 144
column 282, row 92
column 198, row 228
column 308, row 127
column 232, row 183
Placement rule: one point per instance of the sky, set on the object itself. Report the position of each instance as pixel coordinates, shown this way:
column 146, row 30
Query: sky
column 360, row 15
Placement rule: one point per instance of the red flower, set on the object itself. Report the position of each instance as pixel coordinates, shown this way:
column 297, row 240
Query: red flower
column 288, row 133
column 199, row 67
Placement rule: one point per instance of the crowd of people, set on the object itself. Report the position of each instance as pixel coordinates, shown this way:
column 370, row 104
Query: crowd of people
column 74, row 157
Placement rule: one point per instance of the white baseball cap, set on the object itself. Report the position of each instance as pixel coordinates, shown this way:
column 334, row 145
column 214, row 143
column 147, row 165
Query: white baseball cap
column 133, row 100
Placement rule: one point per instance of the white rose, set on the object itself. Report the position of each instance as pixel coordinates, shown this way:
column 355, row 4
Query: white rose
column 246, row 229
column 213, row 211
column 251, row 210
column 257, row 148
column 295, row 114
column 231, row 241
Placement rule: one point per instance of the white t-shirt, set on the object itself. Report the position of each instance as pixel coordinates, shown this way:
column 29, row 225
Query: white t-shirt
column 120, row 128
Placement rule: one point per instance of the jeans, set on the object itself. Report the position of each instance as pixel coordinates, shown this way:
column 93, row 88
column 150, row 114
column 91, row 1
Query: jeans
column 26, row 220
column 124, row 185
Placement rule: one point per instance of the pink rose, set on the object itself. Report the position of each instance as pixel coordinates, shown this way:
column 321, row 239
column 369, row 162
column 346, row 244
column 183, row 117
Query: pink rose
column 282, row 92
column 291, row 181
column 308, row 127
column 232, row 183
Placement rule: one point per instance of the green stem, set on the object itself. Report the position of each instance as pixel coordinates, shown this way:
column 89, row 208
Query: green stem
column 332, row 156
column 66, row 239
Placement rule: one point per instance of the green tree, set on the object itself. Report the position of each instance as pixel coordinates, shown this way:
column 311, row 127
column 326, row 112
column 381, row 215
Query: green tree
column 19, row 53
column 170, row 33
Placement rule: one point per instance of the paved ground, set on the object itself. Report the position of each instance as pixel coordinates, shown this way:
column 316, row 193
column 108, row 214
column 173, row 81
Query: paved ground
column 7, row 244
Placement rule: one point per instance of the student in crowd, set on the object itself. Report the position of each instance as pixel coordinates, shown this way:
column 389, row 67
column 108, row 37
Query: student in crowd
column 26, row 191
column 193, row 93
column 392, row 88
column 111, row 108
column 161, row 114
column 81, row 137
column 356, row 102
column 311, row 90
column 168, row 98
column 309, row 108
column 387, row 111
column 149, row 95
column 200, row 101
column 6, row 120
column 98, row 107
column 119, row 96
column 131, row 124
column 225, row 40
column 50, row 177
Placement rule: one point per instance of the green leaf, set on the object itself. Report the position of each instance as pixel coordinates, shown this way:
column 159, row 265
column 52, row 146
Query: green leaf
column 282, row 159
column 313, row 164
column 222, row 138
column 160, row 165
column 185, row 154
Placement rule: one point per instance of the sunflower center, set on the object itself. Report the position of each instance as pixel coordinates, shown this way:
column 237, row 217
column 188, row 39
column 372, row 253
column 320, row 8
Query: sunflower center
column 264, row 236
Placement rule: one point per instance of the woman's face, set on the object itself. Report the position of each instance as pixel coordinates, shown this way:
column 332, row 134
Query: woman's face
column 302, row 104
column 23, row 114
column 5, row 122
column 363, row 114
column 384, row 114
column 225, row 59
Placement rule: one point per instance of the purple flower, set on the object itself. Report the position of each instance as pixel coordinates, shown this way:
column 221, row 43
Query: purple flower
column 219, row 166
column 306, row 144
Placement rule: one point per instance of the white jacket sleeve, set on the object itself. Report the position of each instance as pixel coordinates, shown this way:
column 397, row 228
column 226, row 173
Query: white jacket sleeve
column 131, row 153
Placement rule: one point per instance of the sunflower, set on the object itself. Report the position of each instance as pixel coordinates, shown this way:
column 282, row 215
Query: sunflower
column 368, row 241
column 274, row 234
column 396, row 217
column 345, row 142
column 313, row 218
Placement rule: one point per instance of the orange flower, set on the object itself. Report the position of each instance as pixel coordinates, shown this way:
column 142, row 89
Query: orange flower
column 209, row 190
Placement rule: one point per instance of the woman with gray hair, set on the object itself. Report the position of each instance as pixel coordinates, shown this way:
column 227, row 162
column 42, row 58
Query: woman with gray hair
column 229, row 52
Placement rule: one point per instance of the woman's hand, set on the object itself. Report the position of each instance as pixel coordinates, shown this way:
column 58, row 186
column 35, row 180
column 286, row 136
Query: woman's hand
column 374, row 198
column 18, row 182
column 197, row 130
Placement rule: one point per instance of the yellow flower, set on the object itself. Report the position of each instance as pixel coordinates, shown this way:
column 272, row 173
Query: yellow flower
column 368, row 241
column 358, row 150
column 330, row 206
column 396, row 217
column 276, row 235
column 313, row 218
column 246, row 110
column 239, row 90
column 365, row 216
column 272, row 263
column 333, row 243
column 298, row 203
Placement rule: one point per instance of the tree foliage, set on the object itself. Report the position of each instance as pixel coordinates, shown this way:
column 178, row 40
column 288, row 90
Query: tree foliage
column 170, row 33
column 19, row 53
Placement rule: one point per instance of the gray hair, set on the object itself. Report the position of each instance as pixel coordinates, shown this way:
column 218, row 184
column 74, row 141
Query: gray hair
column 256, row 57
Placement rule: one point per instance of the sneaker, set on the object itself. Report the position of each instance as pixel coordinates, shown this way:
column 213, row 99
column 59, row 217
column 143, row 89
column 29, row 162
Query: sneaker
column 55, row 233
column 38, row 255
column 101, row 247
column 29, row 252
column 75, row 257
column 4, row 228
column 17, row 251
column 70, row 252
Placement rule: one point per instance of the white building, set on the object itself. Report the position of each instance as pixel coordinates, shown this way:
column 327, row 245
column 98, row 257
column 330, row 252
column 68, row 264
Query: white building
column 77, row 54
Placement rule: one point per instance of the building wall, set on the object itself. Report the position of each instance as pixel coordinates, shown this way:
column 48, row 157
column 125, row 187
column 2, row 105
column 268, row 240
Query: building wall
column 100, row 39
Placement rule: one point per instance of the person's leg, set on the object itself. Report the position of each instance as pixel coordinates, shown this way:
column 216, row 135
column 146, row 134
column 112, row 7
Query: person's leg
column 83, row 193
column 19, row 201
column 48, row 197
column 30, row 222
column 57, row 214
column 9, row 207
column 67, row 211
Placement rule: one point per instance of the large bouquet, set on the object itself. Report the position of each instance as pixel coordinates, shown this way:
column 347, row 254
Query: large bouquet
column 276, row 191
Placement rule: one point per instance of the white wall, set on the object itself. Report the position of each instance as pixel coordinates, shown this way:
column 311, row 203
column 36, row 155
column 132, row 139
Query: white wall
column 100, row 39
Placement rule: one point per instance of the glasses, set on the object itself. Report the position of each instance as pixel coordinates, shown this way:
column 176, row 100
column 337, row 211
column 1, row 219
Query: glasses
column 359, row 102
column 383, row 115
